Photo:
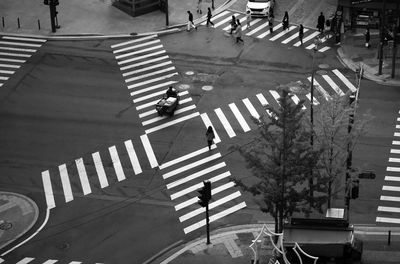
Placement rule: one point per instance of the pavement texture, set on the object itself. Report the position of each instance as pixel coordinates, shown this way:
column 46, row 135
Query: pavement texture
column 18, row 214
column 99, row 18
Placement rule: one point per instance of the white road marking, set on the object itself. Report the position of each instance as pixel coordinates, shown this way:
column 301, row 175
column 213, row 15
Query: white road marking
column 15, row 54
column 141, row 57
column 251, row 108
column 216, row 17
column 266, row 33
column 295, row 35
column 149, row 74
column 83, row 176
column 397, row 126
column 215, row 217
column 50, row 261
column 396, row 169
column 320, row 89
column 257, row 29
column 116, row 163
column 199, row 185
column 137, row 46
column 25, row 39
column 48, row 189
column 186, row 157
column 224, row 21
column 252, row 23
column 390, row 198
column 395, row 151
column 133, row 157
column 149, row 151
column 66, row 185
column 284, row 32
column 388, row 209
column 13, row 60
column 191, row 165
column 391, row 188
column 296, row 100
column 155, row 66
column 225, row 122
column 263, row 102
column 334, row 86
column 101, row 174
column 392, row 178
column 394, row 160
column 195, row 199
column 135, row 65
column 312, row 35
column 25, row 260
column 395, row 142
column 132, row 41
column 177, row 112
column 344, row 80
column 171, row 123
column 10, row 66
column 275, row 95
column 129, row 54
column 17, row 49
column 239, row 117
column 152, row 80
column 160, row 85
column 6, row 72
column 324, row 49
column 388, row 220
column 20, row 44
column 322, row 40
column 194, row 176
column 207, row 123
column 4, row 78
column 211, row 206
column 314, row 99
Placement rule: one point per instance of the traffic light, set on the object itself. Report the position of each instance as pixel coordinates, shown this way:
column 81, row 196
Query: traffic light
column 205, row 194
column 355, row 188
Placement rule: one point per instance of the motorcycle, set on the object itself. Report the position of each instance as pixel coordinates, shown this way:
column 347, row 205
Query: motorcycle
column 167, row 105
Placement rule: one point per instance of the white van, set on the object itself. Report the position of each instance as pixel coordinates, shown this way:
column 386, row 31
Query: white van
column 260, row 7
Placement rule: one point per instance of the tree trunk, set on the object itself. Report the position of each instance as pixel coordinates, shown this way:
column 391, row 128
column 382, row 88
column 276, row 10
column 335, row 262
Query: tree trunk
column 329, row 193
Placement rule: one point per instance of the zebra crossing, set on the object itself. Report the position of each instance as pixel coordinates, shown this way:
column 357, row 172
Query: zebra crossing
column 14, row 51
column 389, row 209
column 30, row 260
column 235, row 118
column 148, row 72
column 97, row 170
column 259, row 29
column 185, row 175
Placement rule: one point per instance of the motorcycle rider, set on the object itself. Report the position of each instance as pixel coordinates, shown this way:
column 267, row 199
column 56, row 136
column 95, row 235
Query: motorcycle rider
column 171, row 92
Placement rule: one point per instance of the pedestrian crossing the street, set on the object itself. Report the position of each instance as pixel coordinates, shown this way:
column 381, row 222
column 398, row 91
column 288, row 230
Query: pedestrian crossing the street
column 260, row 29
column 30, row 260
column 148, row 72
column 14, row 52
column 185, row 175
column 389, row 205
column 98, row 170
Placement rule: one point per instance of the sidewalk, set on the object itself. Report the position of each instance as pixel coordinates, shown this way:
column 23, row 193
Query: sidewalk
column 18, row 214
column 231, row 245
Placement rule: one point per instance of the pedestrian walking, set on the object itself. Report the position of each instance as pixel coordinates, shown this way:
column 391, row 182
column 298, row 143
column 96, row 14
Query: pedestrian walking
column 321, row 23
column 233, row 24
column 285, row 21
column 367, row 38
column 238, row 32
column 199, row 4
column 248, row 18
column 190, row 22
column 328, row 29
column 301, row 33
column 271, row 23
column 209, row 15
column 212, row 4
column 210, row 137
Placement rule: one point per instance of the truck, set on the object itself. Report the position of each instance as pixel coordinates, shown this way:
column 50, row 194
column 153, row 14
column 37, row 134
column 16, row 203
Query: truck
column 331, row 240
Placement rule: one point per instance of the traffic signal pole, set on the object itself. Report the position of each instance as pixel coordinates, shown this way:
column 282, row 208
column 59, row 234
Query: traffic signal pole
column 204, row 200
column 208, row 225
column 52, row 17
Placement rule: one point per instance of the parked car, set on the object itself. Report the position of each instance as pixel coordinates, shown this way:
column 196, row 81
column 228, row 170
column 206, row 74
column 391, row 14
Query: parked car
column 260, row 8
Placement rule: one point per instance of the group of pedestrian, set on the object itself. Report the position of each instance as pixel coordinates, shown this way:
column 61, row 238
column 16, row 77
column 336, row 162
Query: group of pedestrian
column 236, row 29
column 199, row 10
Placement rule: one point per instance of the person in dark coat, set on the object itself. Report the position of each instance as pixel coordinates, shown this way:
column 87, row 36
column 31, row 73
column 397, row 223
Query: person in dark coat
column 271, row 23
column 285, row 21
column 367, row 38
column 233, row 24
column 321, row 23
column 190, row 21
column 210, row 137
column 209, row 15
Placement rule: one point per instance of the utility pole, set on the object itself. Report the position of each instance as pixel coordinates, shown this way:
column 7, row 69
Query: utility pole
column 396, row 28
column 204, row 199
column 382, row 37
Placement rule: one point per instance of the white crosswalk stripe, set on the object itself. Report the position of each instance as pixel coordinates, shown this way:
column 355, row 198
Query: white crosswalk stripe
column 12, row 49
column 225, row 122
column 133, row 157
column 48, row 190
column 100, row 170
column 136, row 46
column 207, row 123
column 27, row 260
column 239, row 117
column 282, row 33
column 294, row 36
column 83, row 176
column 66, row 185
column 116, row 163
column 251, row 108
column 334, row 86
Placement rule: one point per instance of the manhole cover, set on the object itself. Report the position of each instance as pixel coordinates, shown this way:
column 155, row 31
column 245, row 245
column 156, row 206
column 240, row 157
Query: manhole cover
column 5, row 225
column 207, row 87
column 189, row 72
column 321, row 72
column 323, row 66
column 183, row 86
